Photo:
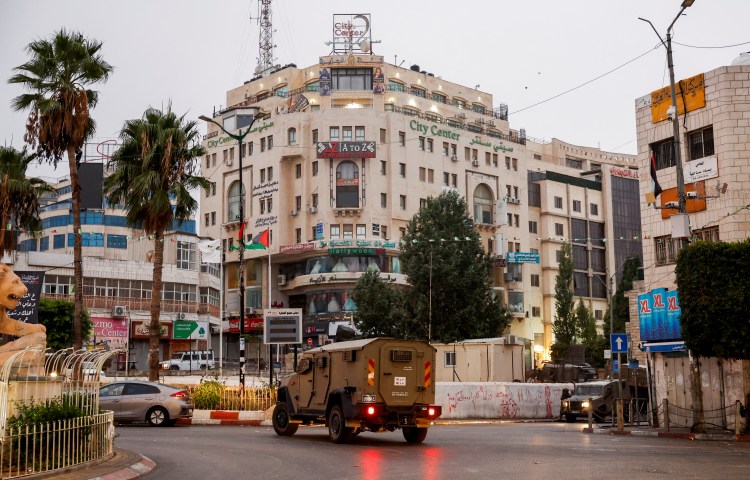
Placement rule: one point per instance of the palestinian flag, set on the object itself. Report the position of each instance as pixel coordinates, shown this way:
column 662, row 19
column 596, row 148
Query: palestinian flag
column 655, row 187
column 260, row 241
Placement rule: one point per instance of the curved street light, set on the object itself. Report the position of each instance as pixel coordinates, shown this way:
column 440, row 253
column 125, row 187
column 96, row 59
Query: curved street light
column 243, row 116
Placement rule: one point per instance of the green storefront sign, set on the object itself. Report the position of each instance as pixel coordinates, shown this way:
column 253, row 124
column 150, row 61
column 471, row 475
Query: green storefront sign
column 189, row 330
column 356, row 251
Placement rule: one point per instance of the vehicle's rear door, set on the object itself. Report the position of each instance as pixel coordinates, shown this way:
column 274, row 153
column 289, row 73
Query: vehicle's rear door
column 137, row 399
column 400, row 374
column 110, row 397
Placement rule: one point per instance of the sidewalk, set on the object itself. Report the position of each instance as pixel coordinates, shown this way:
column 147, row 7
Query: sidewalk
column 122, row 465
column 678, row 433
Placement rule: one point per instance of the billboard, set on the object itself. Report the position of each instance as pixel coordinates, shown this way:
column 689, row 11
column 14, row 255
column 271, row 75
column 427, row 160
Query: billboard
column 659, row 315
column 691, row 95
column 363, row 149
column 283, row 326
column 27, row 309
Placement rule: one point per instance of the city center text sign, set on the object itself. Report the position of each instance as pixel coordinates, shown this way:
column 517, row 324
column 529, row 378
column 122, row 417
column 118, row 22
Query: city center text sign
column 282, row 326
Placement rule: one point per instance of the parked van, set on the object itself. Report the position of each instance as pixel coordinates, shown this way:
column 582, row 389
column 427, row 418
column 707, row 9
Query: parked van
column 190, row 360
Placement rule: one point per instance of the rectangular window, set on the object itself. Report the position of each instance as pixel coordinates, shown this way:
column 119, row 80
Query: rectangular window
column 361, row 230
column 450, row 359
column 667, row 249
column 186, row 256
column 347, row 134
column 402, row 139
column 43, row 244
column 269, row 204
column 573, row 163
column 515, row 164
column 298, row 170
column 315, row 200
column 298, row 203
column 315, row 168
column 333, row 133
column 263, row 144
column 262, row 206
column 663, row 153
column 422, row 172
column 213, row 218
column 270, row 174
column 359, row 134
column 445, row 149
column 454, row 180
column 536, row 312
column 402, row 201
column 430, row 175
column 517, row 219
column 454, row 150
column 701, row 143
column 558, row 202
column 382, row 167
column 383, row 200
column 348, row 231
column 510, row 219
column 262, row 175
column 351, row 78
column 576, row 205
column 710, row 234
column 532, row 226
column 559, row 229
column 298, row 235
column 335, row 232
column 446, row 179
column 598, row 315
column 384, row 231
column 402, row 169
column 593, row 209
column 58, row 241
column 429, row 145
column 534, row 280
column 421, row 143
column 467, row 153
column 382, row 135
column 507, row 163
column 315, row 136
column 270, row 142
column 249, row 149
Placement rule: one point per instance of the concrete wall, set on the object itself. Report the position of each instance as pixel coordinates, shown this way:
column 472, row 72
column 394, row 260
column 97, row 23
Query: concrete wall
column 500, row 400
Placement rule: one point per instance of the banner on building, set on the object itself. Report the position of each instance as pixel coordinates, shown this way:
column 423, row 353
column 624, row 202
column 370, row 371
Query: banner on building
column 27, row 309
column 110, row 331
column 659, row 315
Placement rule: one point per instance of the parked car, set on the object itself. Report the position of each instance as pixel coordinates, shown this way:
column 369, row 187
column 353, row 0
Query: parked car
column 155, row 403
column 190, row 360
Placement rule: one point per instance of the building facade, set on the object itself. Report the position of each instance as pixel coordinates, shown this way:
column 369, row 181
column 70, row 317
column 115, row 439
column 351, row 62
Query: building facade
column 118, row 269
column 714, row 122
column 351, row 146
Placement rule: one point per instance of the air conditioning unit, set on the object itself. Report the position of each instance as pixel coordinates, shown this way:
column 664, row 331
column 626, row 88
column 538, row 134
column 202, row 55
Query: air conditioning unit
column 119, row 311
column 229, row 162
column 281, row 280
column 313, row 209
column 491, row 123
column 510, row 339
column 249, row 310
column 475, row 163
column 515, row 200
column 293, row 213
column 454, row 158
column 181, row 316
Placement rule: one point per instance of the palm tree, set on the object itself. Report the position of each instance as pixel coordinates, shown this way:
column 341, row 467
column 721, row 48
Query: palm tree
column 152, row 173
column 19, row 196
column 57, row 77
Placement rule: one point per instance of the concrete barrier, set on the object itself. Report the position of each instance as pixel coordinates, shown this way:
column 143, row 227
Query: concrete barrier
column 499, row 400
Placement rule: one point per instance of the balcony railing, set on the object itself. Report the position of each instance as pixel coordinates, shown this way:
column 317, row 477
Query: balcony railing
column 141, row 304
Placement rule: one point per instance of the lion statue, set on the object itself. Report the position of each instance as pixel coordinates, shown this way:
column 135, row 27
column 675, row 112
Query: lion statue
column 30, row 334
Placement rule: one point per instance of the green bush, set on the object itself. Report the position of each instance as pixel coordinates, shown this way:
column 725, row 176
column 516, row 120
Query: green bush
column 208, row 395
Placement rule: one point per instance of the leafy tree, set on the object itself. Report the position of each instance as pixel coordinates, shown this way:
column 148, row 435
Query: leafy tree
column 57, row 316
column 443, row 258
column 620, row 301
column 714, row 297
column 57, row 78
column 153, row 172
column 380, row 308
column 585, row 324
column 564, row 327
column 19, row 196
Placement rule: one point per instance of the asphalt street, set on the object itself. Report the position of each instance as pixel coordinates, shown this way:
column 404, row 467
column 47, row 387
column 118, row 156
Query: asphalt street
column 488, row 451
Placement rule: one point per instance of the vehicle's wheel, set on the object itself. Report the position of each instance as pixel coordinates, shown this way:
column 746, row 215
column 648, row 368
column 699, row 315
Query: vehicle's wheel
column 570, row 418
column 414, row 434
column 337, row 429
column 157, row 417
column 280, row 420
column 174, row 367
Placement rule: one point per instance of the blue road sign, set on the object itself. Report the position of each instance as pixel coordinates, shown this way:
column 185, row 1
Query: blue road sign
column 619, row 342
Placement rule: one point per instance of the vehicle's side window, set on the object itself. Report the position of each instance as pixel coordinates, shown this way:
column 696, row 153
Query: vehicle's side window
column 138, row 389
column 304, row 365
column 112, row 390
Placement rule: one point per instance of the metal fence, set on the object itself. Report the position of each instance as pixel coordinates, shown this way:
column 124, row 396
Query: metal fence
column 45, row 447
column 49, row 411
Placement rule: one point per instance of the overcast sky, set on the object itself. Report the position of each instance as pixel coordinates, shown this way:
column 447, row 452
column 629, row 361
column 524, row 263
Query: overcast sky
column 522, row 52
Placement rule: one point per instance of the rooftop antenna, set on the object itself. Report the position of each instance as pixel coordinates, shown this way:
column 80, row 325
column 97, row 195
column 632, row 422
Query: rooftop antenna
column 265, row 37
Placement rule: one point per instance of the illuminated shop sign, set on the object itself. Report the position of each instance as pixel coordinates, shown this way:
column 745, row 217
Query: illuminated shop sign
column 356, row 251
column 346, row 150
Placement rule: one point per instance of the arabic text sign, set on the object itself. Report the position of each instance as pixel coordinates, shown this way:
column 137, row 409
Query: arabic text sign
column 346, row 150
column 701, row 169
column 283, row 326
column 28, row 307
column 189, row 330
column 112, row 331
column 523, row 257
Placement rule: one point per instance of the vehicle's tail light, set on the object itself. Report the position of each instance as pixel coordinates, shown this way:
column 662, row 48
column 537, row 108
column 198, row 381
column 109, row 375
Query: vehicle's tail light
column 370, row 410
column 179, row 394
column 431, row 411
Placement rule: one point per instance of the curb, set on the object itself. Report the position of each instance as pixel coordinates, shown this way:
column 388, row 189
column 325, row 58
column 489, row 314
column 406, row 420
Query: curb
column 726, row 437
column 142, row 467
column 227, row 417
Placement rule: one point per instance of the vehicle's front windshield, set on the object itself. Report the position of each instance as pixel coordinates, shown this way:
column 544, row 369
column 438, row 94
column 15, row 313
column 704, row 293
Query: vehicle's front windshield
column 589, row 390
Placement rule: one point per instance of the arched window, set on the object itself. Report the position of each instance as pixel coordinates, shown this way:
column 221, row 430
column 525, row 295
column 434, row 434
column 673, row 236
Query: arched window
column 483, row 202
column 233, row 203
column 291, row 136
column 347, row 185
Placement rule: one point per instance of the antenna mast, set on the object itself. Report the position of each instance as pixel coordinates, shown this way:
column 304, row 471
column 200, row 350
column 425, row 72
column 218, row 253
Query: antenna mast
column 265, row 39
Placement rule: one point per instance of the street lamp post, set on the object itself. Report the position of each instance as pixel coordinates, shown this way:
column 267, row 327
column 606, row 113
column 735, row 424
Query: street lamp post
column 675, row 117
column 248, row 114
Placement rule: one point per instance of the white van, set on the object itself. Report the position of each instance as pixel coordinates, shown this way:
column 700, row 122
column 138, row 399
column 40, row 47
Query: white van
column 191, row 360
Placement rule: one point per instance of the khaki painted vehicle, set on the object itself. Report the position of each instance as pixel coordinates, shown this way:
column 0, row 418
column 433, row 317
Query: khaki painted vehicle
column 598, row 396
column 375, row 385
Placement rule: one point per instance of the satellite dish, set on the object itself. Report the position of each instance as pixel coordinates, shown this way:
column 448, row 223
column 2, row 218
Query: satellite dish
column 257, row 70
column 364, row 45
